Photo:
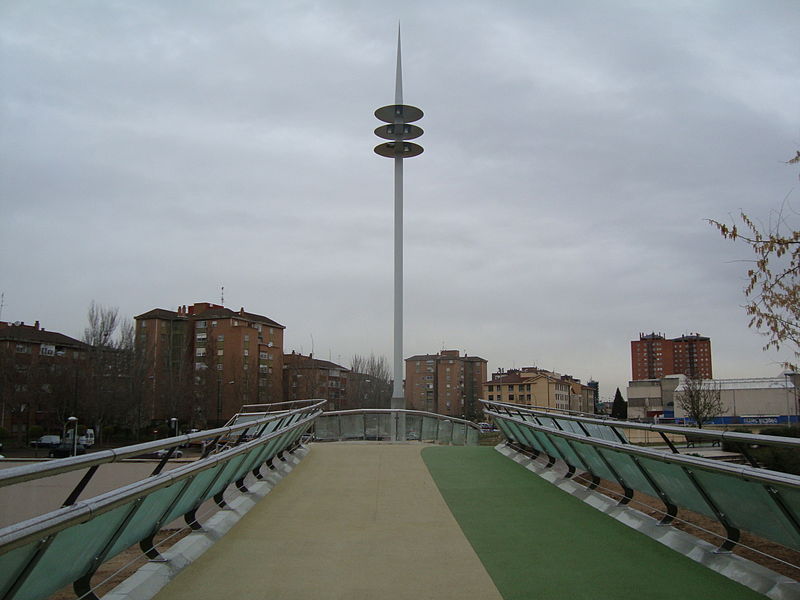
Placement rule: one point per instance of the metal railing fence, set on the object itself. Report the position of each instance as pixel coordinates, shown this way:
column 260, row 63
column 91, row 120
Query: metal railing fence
column 41, row 555
column 739, row 497
column 382, row 424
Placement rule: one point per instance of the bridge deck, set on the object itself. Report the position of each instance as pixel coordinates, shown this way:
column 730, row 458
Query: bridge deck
column 409, row 521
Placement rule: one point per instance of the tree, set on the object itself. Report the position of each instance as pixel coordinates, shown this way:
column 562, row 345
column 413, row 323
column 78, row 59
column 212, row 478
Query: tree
column 369, row 383
column 619, row 410
column 699, row 399
column 103, row 322
column 773, row 282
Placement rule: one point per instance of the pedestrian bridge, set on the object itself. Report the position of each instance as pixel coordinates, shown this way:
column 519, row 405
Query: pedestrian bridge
column 363, row 519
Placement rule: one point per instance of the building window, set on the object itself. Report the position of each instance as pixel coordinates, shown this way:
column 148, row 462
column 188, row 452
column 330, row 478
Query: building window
column 200, row 352
column 219, row 367
column 201, row 325
column 213, row 323
column 201, row 337
column 236, row 323
column 220, row 352
column 199, row 365
column 246, row 352
column 246, row 338
column 262, row 355
column 220, row 338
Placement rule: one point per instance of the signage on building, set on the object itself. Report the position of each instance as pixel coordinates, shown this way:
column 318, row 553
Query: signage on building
column 47, row 350
column 760, row 420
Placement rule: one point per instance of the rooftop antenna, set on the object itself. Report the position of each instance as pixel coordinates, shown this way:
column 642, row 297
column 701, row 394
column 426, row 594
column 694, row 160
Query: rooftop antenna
column 222, row 295
column 2, row 304
column 398, row 131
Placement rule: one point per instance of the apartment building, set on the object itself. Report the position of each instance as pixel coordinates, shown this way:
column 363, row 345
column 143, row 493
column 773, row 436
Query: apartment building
column 306, row 377
column 653, row 356
column 533, row 386
column 445, row 383
column 202, row 362
column 41, row 374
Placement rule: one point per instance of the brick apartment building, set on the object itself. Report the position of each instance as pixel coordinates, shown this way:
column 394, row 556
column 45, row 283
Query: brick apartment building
column 538, row 387
column 306, row 377
column 653, row 356
column 41, row 374
column 202, row 362
column 445, row 383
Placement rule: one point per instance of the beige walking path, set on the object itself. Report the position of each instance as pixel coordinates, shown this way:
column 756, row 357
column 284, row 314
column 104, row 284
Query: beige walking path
column 351, row 521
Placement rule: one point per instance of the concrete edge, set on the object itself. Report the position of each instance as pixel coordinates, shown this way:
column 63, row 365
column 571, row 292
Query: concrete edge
column 743, row 571
column 148, row 580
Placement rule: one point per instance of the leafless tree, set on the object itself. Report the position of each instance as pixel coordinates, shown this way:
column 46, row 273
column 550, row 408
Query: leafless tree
column 103, row 322
column 700, row 399
column 369, row 382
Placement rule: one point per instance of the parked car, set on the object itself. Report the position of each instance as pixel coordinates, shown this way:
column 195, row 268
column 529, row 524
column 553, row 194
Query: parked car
column 64, row 450
column 47, row 441
column 163, row 452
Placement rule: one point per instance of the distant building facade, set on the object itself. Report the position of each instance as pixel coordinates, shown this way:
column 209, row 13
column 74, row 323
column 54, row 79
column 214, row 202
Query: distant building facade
column 306, row 377
column 533, row 386
column 446, row 383
column 202, row 362
column 653, row 356
column 745, row 401
column 41, row 374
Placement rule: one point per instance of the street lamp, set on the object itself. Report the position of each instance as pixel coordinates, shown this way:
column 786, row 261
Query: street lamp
column 174, row 425
column 74, row 422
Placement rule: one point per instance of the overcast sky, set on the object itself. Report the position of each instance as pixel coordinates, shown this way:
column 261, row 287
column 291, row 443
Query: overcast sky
column 152, row 152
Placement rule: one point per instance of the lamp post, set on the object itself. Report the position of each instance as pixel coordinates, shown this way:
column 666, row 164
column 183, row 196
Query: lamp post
column 399, row 131
column 173, row 422
column 74, row 422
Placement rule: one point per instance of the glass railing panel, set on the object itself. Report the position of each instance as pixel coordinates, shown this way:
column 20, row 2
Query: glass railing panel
column 603, row 432
column 473, row 437
column 12, row 563
column 195, row 494
column 749, row 506
column 70, row 555
column 430, row 427
column 546, row 443
column 247, row 463
column 626, row 467
column 326, row 428
column 548, row 422
column 571, row 426
column 593, row 461
column 445, row 432
column 567, row 453
column 413, row 427
column 459, row 434
column 675, row 483
column 352, row 427
column 146, row 517
column 226, row 477
column 529, row 439
column 504, row 427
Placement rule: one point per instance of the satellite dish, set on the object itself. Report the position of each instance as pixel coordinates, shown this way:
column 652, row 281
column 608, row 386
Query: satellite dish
column 269, row 345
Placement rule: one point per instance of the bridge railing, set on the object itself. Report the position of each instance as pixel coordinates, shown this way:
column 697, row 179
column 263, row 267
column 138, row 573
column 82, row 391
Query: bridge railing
column 379, row 425
column 740, row 497
column 67, row 545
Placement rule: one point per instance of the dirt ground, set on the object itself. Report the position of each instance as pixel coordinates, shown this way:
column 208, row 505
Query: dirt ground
column 751, row 547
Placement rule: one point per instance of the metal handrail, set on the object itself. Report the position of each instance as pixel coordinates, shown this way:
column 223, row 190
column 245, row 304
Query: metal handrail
column 406, row 411
column 742, row 471
column 20, row 533
column 30, row 472
column 731, row 436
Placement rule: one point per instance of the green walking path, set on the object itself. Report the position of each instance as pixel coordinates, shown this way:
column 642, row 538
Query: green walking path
column 538, row 542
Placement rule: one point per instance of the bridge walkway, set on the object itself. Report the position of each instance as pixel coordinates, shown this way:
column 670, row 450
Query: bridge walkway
column 366, row 520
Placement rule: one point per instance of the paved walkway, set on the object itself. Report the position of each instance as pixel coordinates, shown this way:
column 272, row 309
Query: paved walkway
column 351, row 521
column 357, row 521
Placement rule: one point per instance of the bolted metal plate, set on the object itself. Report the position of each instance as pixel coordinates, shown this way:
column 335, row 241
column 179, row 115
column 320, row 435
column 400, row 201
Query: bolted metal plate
column 398, row 131
column 398, row 149
column 398, row 113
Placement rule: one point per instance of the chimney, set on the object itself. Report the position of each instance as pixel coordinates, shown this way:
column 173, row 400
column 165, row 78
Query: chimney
column 36, row 325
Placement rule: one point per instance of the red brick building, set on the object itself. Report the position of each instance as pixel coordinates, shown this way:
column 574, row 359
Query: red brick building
column 653, row 356
column 42, row 374
column 306, row 377
column 202, row 362
column 445, row 383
